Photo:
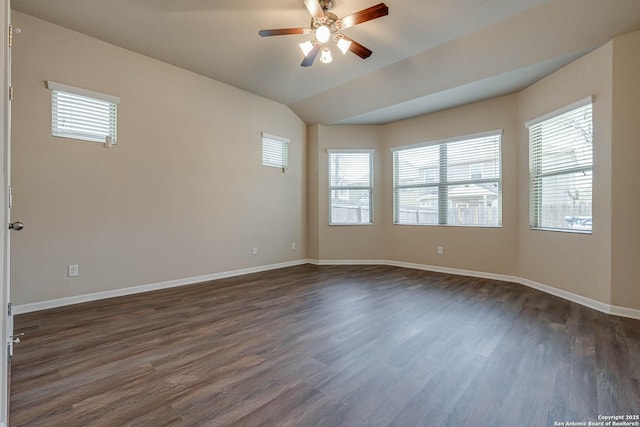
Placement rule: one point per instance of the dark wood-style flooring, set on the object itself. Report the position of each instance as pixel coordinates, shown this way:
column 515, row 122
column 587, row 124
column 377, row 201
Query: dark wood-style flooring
column 326, row 346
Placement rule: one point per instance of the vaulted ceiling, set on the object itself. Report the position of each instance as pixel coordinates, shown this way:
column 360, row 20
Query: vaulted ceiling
column 428, row 55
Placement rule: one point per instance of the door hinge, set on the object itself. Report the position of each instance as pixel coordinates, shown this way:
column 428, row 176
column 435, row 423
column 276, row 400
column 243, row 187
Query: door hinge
column 10, row 198
column 10, row 93
column 9, row 309
column 10, row 35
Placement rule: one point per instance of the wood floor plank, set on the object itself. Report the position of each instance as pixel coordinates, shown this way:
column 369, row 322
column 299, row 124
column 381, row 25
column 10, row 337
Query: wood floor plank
column 326, row 346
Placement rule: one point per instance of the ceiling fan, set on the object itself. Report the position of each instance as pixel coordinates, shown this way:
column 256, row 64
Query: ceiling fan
column 327, row 26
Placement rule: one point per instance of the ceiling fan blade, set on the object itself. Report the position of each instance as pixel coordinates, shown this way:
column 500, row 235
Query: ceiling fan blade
column 311, row 56
column 365, row 15
column 281, row 32
column 358, row 49
column 314, row 8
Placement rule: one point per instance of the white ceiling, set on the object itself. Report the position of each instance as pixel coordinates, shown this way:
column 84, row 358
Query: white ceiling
column 427, row 54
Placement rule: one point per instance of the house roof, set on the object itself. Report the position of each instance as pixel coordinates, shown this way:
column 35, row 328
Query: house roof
column 428, row 55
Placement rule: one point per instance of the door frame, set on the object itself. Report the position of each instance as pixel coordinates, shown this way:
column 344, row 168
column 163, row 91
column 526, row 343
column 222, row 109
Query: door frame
column 5, row 125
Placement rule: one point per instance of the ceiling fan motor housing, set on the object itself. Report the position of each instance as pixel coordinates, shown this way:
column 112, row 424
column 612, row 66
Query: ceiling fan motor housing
column 325, row 4
column 329, row 20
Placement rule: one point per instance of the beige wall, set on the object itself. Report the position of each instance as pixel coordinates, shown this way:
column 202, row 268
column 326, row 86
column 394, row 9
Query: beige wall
column 482, row 249
column 626, row 179
column 491, row 250
column 313, row 220
column 576, row 263
column 182, row 194
column 340, row 242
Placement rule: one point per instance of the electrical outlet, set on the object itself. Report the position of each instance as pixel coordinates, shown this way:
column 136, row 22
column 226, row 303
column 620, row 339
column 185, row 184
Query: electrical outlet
column 255, row 250
column 293, row 246
column 72, row 270
column 440, row 250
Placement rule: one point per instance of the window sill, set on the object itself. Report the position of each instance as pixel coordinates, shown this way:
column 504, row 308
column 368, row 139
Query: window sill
column 331, row 224
column 562, row 230
column 449, row 225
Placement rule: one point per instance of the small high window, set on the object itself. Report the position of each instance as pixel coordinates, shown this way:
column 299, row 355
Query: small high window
column 83, row 114
column 275, row 151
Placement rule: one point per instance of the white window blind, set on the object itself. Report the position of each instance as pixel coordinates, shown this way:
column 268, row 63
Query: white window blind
column 82, row 114
column 275, row 151
column 350, row 186
column 561, row 169
column 457, row 181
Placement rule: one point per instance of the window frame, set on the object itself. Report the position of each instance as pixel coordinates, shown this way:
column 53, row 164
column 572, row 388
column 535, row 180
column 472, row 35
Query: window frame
column 284, row 145
column 370, row 188
column 90, row 97
column 535, row 175
column 443, row 184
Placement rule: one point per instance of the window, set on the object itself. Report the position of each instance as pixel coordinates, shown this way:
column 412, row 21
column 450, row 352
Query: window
column 350, row 186
column 560, row 169
column 275, row 151
column 456, row 181
column 82, row 114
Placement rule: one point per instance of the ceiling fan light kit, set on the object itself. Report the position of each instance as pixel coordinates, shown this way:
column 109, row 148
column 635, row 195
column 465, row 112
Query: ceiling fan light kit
column 323, row 34
column 306, row 47
column 326, row 57
column 343, row 44
column 326, row 26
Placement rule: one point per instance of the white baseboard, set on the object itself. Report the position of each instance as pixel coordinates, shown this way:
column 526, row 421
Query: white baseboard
column 347, row 262
column 569, row 296
column 579, row 299
column 61, row 302
column 631, row 313
column 460, row 272
column 587, row 302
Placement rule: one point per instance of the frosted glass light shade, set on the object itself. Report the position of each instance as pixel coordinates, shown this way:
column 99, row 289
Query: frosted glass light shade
column 323, row 34
column 326, row 57
column 344, row 45
column 306, row 47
